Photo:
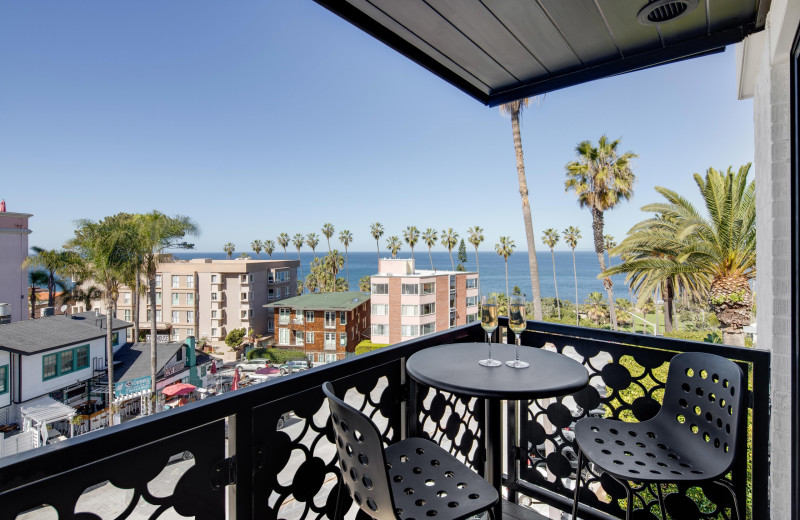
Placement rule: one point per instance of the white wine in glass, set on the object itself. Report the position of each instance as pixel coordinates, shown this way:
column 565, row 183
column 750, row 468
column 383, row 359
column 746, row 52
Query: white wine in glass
column 516, row 322
column 489, row 324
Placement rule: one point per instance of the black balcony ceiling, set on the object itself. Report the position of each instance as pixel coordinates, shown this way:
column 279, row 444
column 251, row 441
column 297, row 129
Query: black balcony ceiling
column 501, row 50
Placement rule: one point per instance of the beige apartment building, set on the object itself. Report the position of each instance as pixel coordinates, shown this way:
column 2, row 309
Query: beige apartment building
column 209, row 298
column 407, row 303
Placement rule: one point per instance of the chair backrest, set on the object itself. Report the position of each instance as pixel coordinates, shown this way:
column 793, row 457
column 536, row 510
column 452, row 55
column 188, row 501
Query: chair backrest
column 361, row 458
column 704, row 406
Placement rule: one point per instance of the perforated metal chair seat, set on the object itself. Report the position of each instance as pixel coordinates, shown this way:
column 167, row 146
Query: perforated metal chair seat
column 427, row 481
column 644, row 451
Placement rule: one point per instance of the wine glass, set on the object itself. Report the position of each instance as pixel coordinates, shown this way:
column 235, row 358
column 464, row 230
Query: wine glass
column 489, row 324
column 516, row 322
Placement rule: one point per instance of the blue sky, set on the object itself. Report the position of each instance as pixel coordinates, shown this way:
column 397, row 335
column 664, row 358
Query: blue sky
column 256, row 118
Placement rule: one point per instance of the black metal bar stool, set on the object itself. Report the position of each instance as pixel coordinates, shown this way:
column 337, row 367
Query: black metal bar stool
column 409, row 480
column 693, row 437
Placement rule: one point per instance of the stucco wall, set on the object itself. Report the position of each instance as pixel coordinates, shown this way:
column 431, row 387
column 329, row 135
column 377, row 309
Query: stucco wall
column 34, row 386
column 13, row 251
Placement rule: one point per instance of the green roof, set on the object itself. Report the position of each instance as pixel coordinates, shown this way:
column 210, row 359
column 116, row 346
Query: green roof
column 328, row 300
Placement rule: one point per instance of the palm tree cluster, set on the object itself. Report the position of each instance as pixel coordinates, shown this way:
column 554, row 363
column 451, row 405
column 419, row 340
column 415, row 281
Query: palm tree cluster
column 682, row 253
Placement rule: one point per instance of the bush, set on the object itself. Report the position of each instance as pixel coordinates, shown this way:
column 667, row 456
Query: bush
column 276, row 356
column 235, row 337
column 368, row 346
column 691, row 335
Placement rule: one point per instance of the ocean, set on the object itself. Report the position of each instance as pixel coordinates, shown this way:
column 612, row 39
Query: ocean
column 492, row 269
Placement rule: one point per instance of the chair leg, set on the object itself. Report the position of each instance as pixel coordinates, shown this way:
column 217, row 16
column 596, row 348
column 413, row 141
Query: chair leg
column 339, row 492
column 577, row 485
column 628, row 495
column 661, row 502
column 727, row 485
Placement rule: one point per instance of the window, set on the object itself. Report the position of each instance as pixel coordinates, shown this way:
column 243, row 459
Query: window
column 64, row 362
column 283, row 315
column 330, row 340
column 472, row 318
column 189, row 280
column 282, row 276
column 321, row 357
column 342, row 339
column 158, row 316
column 409, row 310
column 428, row 328
column 179, row 354
column 127, row 314
column 250, row 313
column 428, row 308
column 409, row 330
column 310, row 316
column 82, row 357
column 380, row 288
column 213, row 332
column 213, row 278
column 175, row 281
column 309, row 337
column 189, row 298
column 244, row 278
column 115, row 339
column 176, row 298
column 380, row 329
column 330, row 319
column 176, row 316
column 158, row 298
column 244, row 314
column 380, row 309
column 213, row 314
column 409, row 288
column 149, row 315
column 49, row 366
column 3, row 379
column 158, row 280
column 270, row 278
column 189, row 316
column 271, row 294
column 126, row 298
column 429, row 288
column 175, row 335
column 213, row 296
column 472, row 300
column 330, row 358
column 250, row 278
column 342, row 318
column 250, row 296
column 283, row 336
column 270, row 326
column 278, row 293
column 472, row 283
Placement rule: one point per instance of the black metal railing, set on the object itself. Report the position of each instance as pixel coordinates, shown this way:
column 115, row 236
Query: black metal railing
column 251, row 468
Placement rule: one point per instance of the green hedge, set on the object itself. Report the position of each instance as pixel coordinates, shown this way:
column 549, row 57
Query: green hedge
column 368, row 346
column 276, row 355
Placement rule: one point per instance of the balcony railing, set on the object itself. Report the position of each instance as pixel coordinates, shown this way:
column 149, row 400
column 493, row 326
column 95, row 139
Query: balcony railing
column 282, row 473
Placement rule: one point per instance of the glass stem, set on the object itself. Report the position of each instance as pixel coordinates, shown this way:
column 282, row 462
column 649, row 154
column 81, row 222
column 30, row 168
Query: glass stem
column 516, row 341
column 489, row 342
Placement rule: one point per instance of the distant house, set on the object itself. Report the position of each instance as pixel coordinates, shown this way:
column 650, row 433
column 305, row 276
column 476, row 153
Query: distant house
column 54, row 357
column 326, row 326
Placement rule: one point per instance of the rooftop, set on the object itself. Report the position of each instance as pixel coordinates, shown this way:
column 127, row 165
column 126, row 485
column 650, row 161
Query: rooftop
column 328, row 300
column 40, row 335
column 135, row 359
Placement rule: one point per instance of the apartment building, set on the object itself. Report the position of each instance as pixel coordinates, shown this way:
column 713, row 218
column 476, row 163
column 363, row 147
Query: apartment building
column 326, row 326
column 13, row 251
column 208, row 298
column 407, row 303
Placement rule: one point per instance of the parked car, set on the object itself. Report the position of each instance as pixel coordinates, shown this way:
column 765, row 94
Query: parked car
column 285, row 368
column 251, row 365
column 298, row 364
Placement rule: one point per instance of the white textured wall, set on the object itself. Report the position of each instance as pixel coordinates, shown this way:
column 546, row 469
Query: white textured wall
column 772, row 168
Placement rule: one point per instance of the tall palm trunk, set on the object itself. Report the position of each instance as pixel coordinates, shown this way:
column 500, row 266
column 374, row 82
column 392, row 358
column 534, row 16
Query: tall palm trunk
column 109, row 351
column 452, row 265
column 137, row 289
column 555, row 282
column 51, row 289
column 347, row 266
column 32, row 301
column 575, row 274
column 431, row 257
column 153, row 340
column 526, row 216
column 378, row 248
column 599, row 248
column 669, row 302
column 478, row 267
column 508, row 295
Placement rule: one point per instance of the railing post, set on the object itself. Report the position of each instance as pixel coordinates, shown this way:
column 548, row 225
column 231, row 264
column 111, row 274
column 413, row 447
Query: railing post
column 240, row 446
column 513, row 452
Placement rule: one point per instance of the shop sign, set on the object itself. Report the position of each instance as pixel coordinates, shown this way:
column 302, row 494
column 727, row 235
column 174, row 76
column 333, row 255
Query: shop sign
column 132, row 386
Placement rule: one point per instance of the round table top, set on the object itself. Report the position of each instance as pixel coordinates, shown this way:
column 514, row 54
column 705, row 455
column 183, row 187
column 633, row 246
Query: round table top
column 454, row 368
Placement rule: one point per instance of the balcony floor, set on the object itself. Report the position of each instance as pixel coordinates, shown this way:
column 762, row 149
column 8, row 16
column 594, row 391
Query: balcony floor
column 516, row 512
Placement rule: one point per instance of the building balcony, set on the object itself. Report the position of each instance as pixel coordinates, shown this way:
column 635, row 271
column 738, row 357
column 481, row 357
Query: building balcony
column 289, row 473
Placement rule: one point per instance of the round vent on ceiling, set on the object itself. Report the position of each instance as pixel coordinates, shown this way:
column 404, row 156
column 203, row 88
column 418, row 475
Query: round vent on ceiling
column 661, row 11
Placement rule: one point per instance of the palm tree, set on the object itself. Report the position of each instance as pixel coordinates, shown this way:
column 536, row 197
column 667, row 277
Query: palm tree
column 595, row 306
column 376, row 230
column 514, row 109
column 411, row 236
column 36, row 279
column 85, row 295
column 609, row 243
column 269, row 247
column 504, row 248
column 313, row 241
column 327, row 231
column 364, row 283
column 244, row 256
column 393, row 244
column 229, row 248
column 55, row 262
column 158, row 233
column 334, row 261
column 475, row 238
column 283, row 241
column 449, row 240
column 257, row 246
column 624, row 306
column 346, row 238
column 298, row 240
column 571, row 236
column 430, row 237
column 550, row 238
column 601, row 178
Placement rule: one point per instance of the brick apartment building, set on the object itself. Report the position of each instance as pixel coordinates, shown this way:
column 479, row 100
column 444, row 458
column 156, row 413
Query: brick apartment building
column 326, row 326
column 209, row 298
column 407, row 303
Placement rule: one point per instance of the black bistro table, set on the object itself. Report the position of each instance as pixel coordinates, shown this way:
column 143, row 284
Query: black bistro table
column 454, row 368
